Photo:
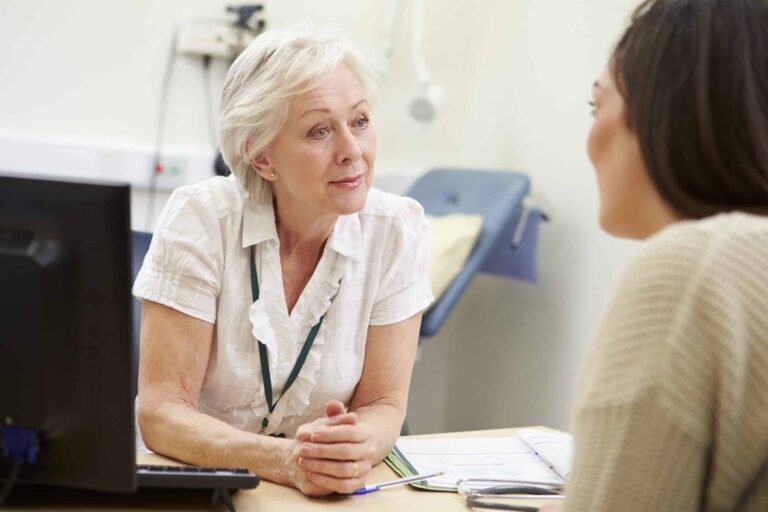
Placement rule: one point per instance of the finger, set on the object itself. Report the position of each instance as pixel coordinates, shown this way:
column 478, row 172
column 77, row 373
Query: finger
column 305, row 432
column 349, row 418
column 344, row 433
column 334, row 408
column 337, row 451
column 336, row 468
column 340, row 485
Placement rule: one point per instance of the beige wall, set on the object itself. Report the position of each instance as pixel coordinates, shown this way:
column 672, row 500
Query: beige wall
column 517, row 75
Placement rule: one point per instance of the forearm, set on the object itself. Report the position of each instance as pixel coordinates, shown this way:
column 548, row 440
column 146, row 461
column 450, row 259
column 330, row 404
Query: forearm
column 381, row 396
column 385, row 420
column 180, row 431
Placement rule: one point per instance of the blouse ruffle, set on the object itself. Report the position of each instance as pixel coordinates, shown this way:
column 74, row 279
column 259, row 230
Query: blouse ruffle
column 318, row 302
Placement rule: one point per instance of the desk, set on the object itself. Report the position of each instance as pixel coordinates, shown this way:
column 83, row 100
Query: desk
column 272, row 497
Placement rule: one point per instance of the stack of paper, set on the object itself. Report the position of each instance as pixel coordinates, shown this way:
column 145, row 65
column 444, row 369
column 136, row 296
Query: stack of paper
column 534, row 456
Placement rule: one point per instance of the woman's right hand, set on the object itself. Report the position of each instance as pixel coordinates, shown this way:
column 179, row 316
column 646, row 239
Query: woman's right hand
column 297, row 476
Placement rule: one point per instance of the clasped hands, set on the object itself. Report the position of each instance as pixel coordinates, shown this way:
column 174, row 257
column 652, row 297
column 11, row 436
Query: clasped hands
column 331, row 454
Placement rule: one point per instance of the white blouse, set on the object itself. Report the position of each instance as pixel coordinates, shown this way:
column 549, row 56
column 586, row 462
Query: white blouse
column 373, row 271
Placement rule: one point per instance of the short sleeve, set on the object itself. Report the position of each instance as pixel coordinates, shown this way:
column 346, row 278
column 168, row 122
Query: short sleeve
column 183, row 266
column 404, row 289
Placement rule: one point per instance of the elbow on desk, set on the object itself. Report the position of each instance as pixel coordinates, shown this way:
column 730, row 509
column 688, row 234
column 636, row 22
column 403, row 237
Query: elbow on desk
column 154, row 417
column 148, row 416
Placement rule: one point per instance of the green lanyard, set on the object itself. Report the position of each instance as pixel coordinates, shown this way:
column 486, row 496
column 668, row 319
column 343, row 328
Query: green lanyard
column 263, row 353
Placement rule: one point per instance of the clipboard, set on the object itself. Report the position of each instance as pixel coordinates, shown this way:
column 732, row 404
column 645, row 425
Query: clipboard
column 398, row 463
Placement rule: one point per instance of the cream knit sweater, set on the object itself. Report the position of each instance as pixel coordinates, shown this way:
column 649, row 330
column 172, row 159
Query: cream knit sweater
column 671, row 411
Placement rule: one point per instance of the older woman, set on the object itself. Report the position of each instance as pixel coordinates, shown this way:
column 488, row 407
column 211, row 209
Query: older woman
column 281, row 305
column 671, row 409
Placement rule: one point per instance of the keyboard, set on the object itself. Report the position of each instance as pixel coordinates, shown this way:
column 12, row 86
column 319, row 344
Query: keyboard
column 194, row 477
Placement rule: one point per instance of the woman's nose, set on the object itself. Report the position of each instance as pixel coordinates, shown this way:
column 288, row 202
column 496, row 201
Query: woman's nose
column 348, row 150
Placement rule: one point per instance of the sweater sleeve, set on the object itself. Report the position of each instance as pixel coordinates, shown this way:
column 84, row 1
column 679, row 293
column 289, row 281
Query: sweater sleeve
column 644, row 401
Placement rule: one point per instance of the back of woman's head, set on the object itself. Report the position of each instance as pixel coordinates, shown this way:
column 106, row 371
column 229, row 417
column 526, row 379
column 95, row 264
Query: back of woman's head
column 694, row 77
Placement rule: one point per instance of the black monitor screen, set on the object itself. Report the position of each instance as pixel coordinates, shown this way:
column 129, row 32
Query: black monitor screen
column 65, row 330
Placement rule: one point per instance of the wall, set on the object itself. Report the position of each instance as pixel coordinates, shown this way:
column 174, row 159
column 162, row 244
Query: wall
column 510, row 353
column 517, row 75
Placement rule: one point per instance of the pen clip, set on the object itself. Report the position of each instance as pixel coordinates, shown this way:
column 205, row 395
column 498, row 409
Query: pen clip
column 365, row 490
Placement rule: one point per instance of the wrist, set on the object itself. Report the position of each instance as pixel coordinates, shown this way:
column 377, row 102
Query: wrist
column 264, row 455
column 285, row 461
column 382, row 437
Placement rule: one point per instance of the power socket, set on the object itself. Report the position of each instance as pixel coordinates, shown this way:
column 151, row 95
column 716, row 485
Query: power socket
column 173, row 173
column 215, row 38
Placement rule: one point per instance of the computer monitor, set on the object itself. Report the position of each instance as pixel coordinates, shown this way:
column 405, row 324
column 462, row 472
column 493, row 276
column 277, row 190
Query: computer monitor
column 65, row 330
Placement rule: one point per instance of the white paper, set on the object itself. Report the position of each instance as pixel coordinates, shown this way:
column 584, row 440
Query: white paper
column 504, row 458
column 555, row 449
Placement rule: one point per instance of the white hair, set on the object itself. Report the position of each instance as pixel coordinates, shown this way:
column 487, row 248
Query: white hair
column 278, row 65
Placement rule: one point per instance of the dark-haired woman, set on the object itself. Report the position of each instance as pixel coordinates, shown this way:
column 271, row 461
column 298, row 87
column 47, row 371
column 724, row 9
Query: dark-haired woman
column 671, row 411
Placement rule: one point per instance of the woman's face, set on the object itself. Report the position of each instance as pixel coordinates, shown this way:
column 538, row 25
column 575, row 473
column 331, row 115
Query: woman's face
column 630, row 206
column 322, row 159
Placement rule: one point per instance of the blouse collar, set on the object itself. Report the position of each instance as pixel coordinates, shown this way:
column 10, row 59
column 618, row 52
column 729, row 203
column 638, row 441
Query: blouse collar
column 259, row 226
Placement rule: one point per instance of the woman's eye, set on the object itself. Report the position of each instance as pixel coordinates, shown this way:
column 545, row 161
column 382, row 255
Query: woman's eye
column 362, row 122
column 592, row 106
column 319, row 132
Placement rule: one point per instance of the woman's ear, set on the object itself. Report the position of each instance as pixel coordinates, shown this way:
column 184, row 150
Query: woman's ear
column 263, row 168
column 260, row 163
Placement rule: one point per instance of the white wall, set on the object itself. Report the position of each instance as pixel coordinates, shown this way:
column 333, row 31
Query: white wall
column 510, row 353
column 518, row 76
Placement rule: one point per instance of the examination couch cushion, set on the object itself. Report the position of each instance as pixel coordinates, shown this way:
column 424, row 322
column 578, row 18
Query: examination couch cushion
column 453, row 238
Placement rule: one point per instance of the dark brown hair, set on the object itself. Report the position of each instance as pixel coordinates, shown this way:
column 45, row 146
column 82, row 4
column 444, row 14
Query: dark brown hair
column 694, row 78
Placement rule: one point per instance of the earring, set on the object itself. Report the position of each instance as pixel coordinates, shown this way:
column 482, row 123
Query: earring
column 272, row 174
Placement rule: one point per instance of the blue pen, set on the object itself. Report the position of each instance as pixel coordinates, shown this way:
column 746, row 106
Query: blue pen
column 383, row 485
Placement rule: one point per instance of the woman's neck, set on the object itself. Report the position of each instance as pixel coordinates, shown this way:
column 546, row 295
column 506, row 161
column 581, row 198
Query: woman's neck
column 302, row 238
column 298, row 232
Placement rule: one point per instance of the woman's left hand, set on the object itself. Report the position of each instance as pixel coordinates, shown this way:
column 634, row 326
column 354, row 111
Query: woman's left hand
column 338, row 451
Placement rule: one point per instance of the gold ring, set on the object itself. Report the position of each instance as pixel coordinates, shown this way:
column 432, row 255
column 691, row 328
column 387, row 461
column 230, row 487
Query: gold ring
column 357, row 471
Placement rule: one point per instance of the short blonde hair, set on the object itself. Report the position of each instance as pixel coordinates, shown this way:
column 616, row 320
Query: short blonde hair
column 278, row 65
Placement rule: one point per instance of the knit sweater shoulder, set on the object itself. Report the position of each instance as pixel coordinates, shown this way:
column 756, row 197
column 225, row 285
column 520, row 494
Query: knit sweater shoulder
column 671, row 408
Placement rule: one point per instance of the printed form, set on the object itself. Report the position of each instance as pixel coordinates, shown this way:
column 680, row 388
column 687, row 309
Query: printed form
column 534, row 456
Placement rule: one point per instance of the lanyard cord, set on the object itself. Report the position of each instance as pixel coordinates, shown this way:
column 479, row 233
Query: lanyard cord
column 263, row 353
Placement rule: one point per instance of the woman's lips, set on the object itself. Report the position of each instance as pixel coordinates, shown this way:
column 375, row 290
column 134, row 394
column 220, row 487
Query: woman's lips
column 350, row 182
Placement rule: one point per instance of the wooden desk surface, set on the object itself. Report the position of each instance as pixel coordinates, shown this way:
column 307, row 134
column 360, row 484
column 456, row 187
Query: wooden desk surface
column 272, row 497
